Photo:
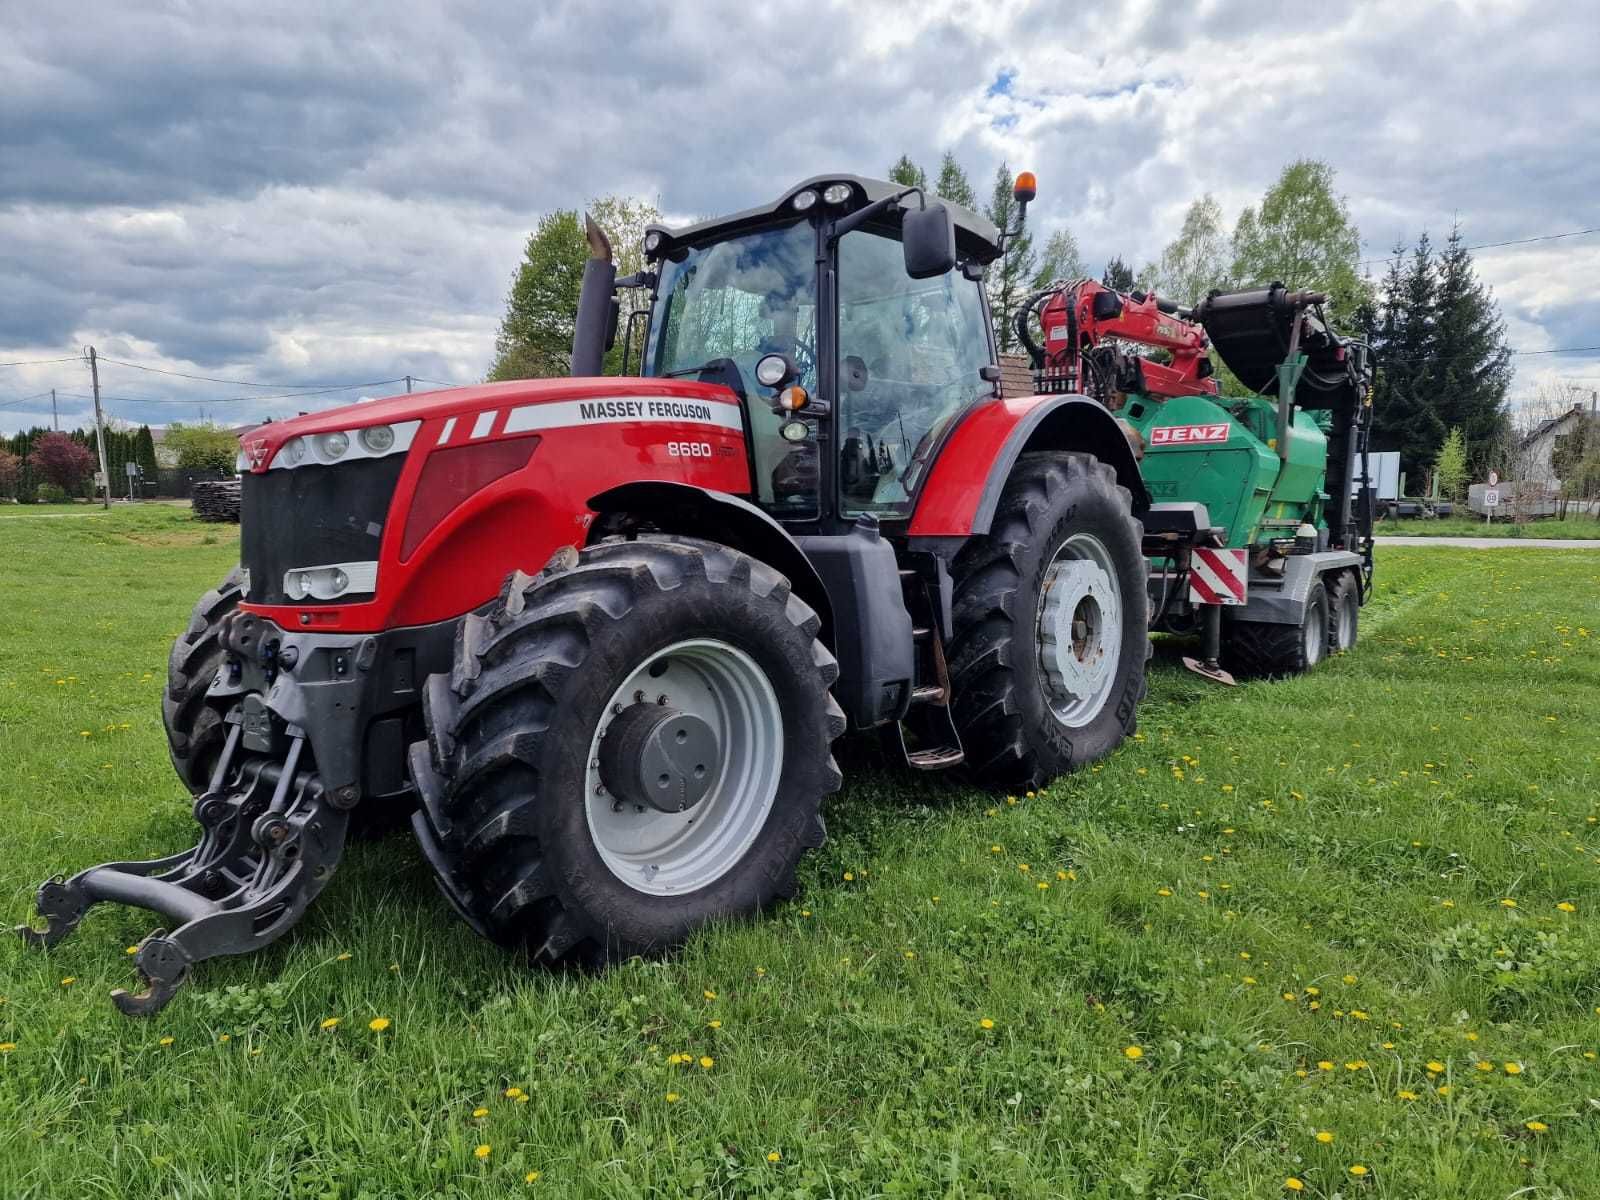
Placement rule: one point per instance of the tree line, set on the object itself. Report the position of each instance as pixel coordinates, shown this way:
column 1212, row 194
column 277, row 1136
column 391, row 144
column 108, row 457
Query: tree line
column 1443, row 363
column 44, row 466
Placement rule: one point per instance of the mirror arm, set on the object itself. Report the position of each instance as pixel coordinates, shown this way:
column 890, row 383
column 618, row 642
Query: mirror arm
column 862, row 215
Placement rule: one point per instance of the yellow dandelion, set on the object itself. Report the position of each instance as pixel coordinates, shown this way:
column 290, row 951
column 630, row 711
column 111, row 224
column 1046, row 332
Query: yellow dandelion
column 1513, row 1068
column 773, row 1156
column 1567, row 906
column 995, row 849
column 378, row 1024
column 1443, row 1089
column 1290, row 996
column 1508, row 902
column 986, row 1023
column 716, row 1024
column 673, row 1097
column 1324, row 1065
column 1133, row 1051
column 480, row 1112
column 1325, row 1136
column 1294, row 1185
column 69, row 981
column 1163, row 891
column 1435, row 1067
column 1484, row 1066
column 1313, row 991
column 709, row 994
column 1358, row 1170
column 1405, row 1094
column 1349, row 979
column 707, row 1062
column 1042, row 885
column 531, row 1177
column 513, row 1093
column 1535, row 1126
column 482, row 1151
column 330, row 1023
column 849, row 876
column 225, row 1038
column 166, row 1041
column 131, row 950
column 345, row 957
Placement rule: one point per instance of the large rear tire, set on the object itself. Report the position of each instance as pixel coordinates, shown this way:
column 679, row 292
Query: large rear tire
column 557, row 694
column 1047, row 662
column 194, row 724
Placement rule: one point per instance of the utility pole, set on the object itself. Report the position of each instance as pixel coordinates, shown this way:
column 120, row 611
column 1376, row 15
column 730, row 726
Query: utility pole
column 55, row 417
column 408, row 385
column 100, row 430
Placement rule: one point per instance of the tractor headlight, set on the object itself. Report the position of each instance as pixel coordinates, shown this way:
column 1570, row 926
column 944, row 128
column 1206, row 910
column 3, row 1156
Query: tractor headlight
column 771, row 370
column 333, row 444
column 793, row 431
column 652, row 241
column 331, row 582
column 378, row 439
column 804, row 200
column 836, row 193
column 346, row 445
column 293, row 452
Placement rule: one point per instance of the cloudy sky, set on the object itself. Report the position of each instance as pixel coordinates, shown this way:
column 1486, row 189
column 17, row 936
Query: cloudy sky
column 303, row 194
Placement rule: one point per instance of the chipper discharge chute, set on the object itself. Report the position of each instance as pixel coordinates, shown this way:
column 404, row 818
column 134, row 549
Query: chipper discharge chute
column 595, row 636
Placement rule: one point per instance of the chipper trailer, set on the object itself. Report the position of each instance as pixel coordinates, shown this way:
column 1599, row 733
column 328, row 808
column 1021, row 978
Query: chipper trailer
column 596, row 636
column 1274, row 527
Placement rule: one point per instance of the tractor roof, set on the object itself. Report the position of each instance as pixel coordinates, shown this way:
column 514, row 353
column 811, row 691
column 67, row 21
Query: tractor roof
column 976, row 236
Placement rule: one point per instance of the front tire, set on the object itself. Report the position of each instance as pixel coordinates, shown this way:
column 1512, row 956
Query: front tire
column 527, row 839
column 1344, row 613
column 1050, row 642
column 194, row 724
column 1265, row 650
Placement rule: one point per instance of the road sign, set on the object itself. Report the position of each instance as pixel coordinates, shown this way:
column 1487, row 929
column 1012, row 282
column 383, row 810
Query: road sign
column 1491, row 499
column 133, row 469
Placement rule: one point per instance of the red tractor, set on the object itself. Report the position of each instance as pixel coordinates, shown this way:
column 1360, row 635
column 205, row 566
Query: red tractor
column 597, row 635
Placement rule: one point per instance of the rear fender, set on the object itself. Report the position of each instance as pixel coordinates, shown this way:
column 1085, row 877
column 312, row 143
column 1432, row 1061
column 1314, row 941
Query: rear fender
column 963, row 488
column 691, row 511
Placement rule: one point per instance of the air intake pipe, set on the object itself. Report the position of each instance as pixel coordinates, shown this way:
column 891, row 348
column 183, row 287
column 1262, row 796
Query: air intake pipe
column 596, row 329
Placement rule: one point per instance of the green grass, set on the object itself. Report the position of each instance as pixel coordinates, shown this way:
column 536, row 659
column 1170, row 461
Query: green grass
column 1357, row 832
column 1573, row 527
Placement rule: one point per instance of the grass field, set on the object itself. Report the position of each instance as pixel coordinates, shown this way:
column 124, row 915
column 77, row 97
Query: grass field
column 1573, row 527
column 1343, row 930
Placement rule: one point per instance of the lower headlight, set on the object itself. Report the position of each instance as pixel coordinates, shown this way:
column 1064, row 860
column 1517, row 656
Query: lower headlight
column 377, row 438
column 333, row 444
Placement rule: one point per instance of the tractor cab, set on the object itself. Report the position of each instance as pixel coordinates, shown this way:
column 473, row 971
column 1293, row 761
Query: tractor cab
column 850, row 318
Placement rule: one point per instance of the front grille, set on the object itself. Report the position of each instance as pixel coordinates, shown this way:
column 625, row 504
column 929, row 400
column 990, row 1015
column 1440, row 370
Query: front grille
column 310, row 516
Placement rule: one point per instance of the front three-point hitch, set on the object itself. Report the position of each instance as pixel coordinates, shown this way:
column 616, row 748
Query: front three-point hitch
column 270, row 839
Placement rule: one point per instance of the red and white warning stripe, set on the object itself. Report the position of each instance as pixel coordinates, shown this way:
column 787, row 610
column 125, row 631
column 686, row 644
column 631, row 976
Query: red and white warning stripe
column 1217, row 576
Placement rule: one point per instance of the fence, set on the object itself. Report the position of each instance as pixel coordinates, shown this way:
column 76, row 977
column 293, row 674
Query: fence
column 168, row 483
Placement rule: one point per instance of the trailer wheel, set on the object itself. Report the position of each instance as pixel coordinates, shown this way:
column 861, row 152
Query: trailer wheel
column 1344, row 612
column 195, row 730
column 1265, row 650
column 632, row 744
column 1047, row 662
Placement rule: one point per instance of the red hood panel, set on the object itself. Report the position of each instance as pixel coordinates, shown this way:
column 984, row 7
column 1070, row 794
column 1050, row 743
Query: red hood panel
column 262, row 444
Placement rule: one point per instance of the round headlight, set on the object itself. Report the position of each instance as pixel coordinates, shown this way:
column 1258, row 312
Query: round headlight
column 793, row 431
column 340, row 580
column 771, row 370
column 293, row 451
column 836, row 193
column 378, row 439
column 651, row 241
column 299, row 585
column 333, row 444
column 804, row 200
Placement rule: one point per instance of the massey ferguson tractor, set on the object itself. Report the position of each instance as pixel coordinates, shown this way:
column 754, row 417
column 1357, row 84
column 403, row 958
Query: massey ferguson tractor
column 596, row 636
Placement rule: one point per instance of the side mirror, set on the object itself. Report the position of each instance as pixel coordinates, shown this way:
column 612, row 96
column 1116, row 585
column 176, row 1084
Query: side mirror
column 928, row 237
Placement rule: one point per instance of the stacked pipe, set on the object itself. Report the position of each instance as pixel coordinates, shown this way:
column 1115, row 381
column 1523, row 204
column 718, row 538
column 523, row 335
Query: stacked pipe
column 217, row 501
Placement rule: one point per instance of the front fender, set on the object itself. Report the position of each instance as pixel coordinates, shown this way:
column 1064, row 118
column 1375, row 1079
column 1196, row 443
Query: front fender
column 963, row 488
column 682, row 508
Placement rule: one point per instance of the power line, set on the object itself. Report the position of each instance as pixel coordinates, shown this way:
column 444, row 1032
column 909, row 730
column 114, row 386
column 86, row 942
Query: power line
column 342, row 387
column 215, row 379
column 35, row 362
column 1546, row 237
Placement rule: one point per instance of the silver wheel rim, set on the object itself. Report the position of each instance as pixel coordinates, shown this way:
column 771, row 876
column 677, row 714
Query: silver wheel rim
column 1347, row 622
column 1079, row 631
column 1315, row 632
column 668, row 854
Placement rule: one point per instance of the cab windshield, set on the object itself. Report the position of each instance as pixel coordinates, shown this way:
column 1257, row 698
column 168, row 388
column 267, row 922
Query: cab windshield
column 738, row 300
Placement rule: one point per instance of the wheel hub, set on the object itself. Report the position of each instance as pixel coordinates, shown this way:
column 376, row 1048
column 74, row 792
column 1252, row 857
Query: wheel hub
column 658, row 755
column 1079, row 631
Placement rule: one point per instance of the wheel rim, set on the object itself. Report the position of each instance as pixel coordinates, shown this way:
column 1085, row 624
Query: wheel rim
column 661, row 853
column 1079, row 630
column 1347, row 621
column 1315, row 631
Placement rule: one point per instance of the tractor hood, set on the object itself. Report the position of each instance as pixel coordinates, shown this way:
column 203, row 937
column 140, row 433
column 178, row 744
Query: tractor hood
column 481, row 409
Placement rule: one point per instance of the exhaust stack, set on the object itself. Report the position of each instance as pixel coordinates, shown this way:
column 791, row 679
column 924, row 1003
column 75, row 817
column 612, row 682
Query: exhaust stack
column 596, row 328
